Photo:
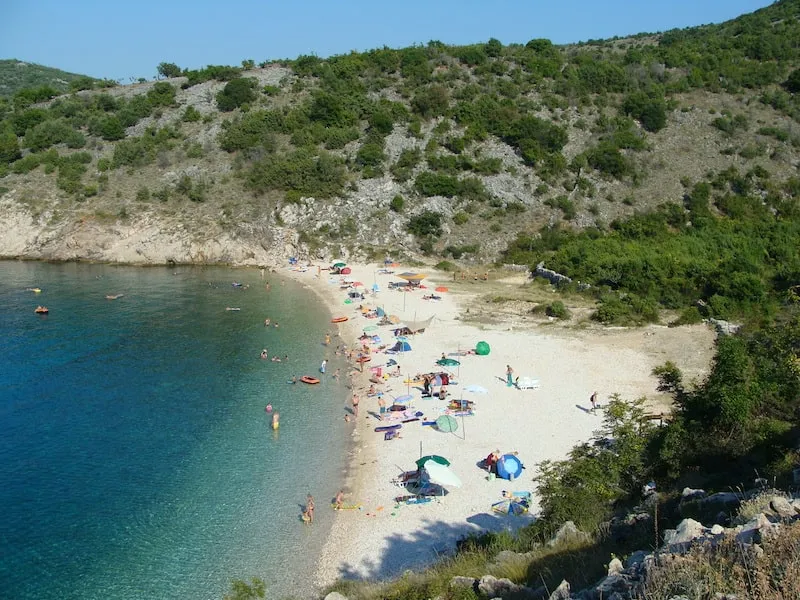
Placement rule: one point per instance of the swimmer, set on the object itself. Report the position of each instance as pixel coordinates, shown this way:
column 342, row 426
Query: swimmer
column 267, row 322
column 294, row 379
column 264, row 354
column 327, row 339
column 268, row 408
column 336, row 374
column 275, row 325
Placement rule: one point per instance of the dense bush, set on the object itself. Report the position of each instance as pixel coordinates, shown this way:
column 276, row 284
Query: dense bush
column 301, row 171
column 426, row 224
column 238, row 91
column 649, row 109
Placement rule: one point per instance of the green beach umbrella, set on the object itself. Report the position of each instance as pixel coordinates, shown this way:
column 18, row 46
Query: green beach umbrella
column 446, row 423
column 435, row 458
column 339, row 264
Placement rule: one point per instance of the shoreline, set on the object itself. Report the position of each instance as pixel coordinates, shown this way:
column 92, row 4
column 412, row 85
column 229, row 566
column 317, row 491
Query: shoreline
column 383, row 538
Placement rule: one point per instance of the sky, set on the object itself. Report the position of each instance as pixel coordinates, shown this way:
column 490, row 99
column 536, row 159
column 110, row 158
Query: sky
column 122, row 40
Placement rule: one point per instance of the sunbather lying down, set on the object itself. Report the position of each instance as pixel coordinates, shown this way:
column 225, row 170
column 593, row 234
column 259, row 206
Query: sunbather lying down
column 431, row 297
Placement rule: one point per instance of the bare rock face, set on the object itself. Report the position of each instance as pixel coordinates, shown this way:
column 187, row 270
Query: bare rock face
column 568, row 531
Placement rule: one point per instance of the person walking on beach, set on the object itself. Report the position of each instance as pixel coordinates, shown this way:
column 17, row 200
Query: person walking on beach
column 593, row 400
column 339, row 500
column 509, row 376
column 355, row 401
column 327, row 339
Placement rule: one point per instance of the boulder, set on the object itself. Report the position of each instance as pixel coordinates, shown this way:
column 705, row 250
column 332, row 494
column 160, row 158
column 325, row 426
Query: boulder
column 493, row 587
column 567, row 532
column 781, row 507
column 335, row 596
column 636, row 558
column 464, row 583
column 692, row 494
column 561, row 592
column 755, row 530
column 615, row 566
column 681, row 538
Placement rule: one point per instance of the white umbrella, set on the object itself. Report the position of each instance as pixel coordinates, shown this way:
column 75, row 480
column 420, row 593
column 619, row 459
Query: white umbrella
column 441, row 475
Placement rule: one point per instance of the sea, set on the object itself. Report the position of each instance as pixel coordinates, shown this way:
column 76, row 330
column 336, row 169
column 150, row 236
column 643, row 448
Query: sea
column 137, row 456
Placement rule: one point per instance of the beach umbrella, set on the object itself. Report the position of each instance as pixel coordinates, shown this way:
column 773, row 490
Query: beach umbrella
column 482, row 349
column 441, row 288
column 376, row 288
column 441, row 474
column 338, row 265
column 394, row 319
column 509, row 467
column 357, row 284
column 435, row 458
column 404, row 399
column 476, row 389
column 447, row 424
column 510, row 506
column 448, row 362
column 408, row 276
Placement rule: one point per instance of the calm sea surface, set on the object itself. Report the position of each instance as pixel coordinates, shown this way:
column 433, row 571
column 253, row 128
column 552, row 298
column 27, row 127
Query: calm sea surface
column 136, row 457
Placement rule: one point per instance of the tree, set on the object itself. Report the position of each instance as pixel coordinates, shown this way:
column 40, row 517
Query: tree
column 166, row 69
column 792, row 84
column 9, row 147
column 237, row 92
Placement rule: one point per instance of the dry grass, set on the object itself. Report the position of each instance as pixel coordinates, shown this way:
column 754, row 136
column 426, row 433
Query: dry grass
column 767, row 572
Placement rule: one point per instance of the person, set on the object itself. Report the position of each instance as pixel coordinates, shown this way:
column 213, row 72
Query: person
column 337, row 503
column 426, row 385
column 443, row 392
column 268, row 408
column 372, row 391
column 491, row 461
column 336, row 374
column 264, row 353
column 310, row 508
column 323, row 365
column 355, row 404
column 275, row 325
column 266, row 322
column 327, row 339
column 347, row 418
column 444, row 356
column 593, row 400
column 509, row 376
column 276, row 419
column 285, row 357
column 381, row 406
column 294, row 379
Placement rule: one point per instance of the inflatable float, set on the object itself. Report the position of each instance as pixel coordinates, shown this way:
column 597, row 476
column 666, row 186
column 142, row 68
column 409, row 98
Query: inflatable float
column 339, row 319
column 309, row 379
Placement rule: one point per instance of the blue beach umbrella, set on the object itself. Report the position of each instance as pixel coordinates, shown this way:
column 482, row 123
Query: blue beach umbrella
column 509, row 467
column 510, row 506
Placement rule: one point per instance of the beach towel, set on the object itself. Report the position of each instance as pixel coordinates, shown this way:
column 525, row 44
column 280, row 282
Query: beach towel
column 528, row 383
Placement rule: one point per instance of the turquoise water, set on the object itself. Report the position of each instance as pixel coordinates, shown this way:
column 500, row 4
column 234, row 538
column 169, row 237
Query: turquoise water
column 136, row 457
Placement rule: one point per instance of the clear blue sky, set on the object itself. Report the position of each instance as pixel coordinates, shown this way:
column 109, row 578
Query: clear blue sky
column 119, row 39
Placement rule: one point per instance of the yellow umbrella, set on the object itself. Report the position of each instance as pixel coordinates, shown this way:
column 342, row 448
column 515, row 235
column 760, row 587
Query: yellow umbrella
column 412, row 276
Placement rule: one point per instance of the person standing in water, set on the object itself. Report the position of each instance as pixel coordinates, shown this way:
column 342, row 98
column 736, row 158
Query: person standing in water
column 509, row 376
column 323, row 365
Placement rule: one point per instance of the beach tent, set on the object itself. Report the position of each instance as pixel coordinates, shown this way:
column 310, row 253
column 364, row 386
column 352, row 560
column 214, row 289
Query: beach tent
column 509, row 467
column 345, row 271
column 482, row 349
column 401, row 346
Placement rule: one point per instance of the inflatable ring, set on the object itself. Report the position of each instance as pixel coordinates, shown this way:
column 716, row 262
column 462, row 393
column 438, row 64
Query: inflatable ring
column 310, row 380
column 339, row 319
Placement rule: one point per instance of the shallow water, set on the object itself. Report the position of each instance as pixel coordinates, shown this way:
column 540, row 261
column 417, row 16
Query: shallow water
column 136, row 457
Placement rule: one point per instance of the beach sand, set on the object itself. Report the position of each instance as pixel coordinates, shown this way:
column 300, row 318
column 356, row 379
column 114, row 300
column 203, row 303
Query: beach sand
column 382, row 538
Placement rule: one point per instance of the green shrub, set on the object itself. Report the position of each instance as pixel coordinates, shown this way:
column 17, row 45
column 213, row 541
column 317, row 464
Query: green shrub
column 301, row 171
column 9, row 147
column 143, row 194
column 445, row 265
column 191, row 115
column 460, row 218
column 397, row 204
column 161, row 94
column 426, row 224
column 238, row 91
column 557, row 310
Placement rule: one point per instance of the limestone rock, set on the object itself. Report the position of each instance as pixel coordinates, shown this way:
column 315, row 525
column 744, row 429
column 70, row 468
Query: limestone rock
column 460, row 582
column 561, row 592
column 781, row 507
column 505, row 588
column 692, row 494
column 635, row 558
column 568, row 531
column 680, row 538
column 335, row 596
column 755, row 530
column 615, row 566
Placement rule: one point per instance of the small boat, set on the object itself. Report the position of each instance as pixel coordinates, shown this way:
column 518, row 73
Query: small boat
column 113, row 296
column 236, row 284
column 35, row 290
column 309, row 379
column 339, row 319
column 41, row 310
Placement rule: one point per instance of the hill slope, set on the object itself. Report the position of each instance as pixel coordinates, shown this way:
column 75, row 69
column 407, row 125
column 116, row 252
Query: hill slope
column 449, row 151
column 17, row 75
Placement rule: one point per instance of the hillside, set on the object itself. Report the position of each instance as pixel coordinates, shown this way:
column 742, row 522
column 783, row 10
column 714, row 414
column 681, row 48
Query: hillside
column 445, row 151
column 16, row 75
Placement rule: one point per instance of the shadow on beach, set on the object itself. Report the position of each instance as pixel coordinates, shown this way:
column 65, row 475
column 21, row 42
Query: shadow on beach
column 435, row 539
